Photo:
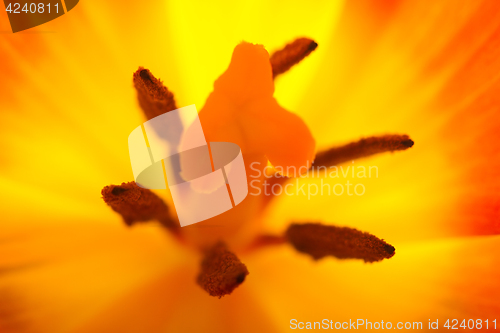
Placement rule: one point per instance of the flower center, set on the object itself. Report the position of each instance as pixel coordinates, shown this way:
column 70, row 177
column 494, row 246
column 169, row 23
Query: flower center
column 242, row 110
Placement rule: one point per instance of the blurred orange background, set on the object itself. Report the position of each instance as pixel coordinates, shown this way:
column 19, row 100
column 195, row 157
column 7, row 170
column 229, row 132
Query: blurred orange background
column 67, row 106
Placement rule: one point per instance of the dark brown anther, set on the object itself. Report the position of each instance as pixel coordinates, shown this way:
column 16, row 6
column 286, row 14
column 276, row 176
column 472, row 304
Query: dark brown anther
column 118, row 190
column 291, row 54
column 137, row 204
column 363, row 148
column 145, row 75
column 408, row 143
column 154, row 98
column 320, row 240
column 221, row 271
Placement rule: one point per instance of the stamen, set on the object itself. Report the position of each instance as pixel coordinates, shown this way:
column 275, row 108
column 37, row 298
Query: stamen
column 363, row 148
column 221, row 271
column 291, row 54
column 137, row 204
column 319, row 241
column 154, row 98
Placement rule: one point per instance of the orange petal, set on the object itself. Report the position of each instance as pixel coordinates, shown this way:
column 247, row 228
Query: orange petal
column 174, row 303
column 53, row 279
column 432, row 73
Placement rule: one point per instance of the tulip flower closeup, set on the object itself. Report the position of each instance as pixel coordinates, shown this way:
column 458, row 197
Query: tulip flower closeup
column 394, row 102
